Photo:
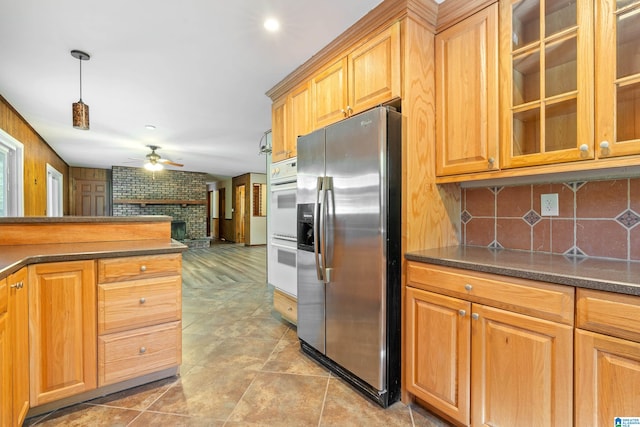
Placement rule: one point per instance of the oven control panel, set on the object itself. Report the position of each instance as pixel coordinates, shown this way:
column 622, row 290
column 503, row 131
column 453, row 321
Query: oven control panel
column 284, row 171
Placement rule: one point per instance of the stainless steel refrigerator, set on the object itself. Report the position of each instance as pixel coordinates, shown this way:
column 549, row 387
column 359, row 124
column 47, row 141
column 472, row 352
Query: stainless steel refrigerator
column 348, row 213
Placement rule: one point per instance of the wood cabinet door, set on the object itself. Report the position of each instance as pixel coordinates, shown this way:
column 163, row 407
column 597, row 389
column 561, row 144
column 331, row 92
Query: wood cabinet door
column 62, row 330
column 607, row 379
column 374, row 71
column 546, row 82
column 279, row 130
column 438, row 351
column 19, row 312
column 329, row 94
column 617, row 78
column 522, row 370
column 300, row 116
column 6, row 379
column 467, row 95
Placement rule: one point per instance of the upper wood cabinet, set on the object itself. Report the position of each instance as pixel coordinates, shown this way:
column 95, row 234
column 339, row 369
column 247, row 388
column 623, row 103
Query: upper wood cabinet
column 617, row 77
column 467, row 95
column 368, row 76
column 546, row 81
column 291, row 117
column 62, row 330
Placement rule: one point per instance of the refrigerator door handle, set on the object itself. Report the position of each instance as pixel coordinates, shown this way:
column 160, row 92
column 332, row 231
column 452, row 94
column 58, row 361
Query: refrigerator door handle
column 327, row 239
column 317, row 225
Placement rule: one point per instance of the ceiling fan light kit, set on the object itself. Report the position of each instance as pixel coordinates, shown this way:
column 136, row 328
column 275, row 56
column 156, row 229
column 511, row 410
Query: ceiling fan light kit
column 80, row 110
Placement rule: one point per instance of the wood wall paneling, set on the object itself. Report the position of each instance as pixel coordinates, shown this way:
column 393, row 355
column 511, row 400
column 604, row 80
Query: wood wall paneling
column 37, row 153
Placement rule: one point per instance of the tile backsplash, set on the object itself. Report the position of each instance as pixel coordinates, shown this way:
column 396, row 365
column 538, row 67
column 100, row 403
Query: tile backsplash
column 596, row 218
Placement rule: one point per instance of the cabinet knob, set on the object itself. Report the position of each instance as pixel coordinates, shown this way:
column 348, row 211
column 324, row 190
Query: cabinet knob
column 143, row 300
column 584, row 148
column 462, row 313
column 604, row 148
column 468, row 287
column 143, row 350
column 343, row 111
column 289, row 308
column 475, row 316
column 143, row 268
column 491, row 161
column 18, row 285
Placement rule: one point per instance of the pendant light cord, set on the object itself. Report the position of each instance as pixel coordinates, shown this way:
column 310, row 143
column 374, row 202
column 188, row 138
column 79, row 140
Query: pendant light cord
column 80, row 59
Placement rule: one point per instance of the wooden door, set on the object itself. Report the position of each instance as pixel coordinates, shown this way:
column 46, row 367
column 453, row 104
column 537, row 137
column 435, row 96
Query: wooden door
column 467, row 95
column 239, row 214
column 521, row 370
column 607, row 379
column 19, row 312
column 62, row 330
column 279, row 129
column 374, row 71
column 91, row 198
column 330, row 95
column 6, row 379
column 222, row 196
column 617, row 78
column 438, row 351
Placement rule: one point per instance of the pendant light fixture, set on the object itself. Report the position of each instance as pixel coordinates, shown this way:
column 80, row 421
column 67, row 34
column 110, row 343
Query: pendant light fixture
column 80, row 109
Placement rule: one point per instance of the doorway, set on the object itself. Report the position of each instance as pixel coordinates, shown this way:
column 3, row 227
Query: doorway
column 54, row 192
column 239, row 214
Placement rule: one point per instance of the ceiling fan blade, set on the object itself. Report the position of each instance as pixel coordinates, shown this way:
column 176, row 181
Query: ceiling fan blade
column 169, row 162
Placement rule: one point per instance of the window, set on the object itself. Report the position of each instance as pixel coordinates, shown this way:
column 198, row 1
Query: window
column 11, row 176
column 259, row 199
column 54, row 192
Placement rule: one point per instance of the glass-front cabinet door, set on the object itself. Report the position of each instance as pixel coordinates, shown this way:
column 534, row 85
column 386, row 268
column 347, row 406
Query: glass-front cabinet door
column 546, row 67
column 617, row 77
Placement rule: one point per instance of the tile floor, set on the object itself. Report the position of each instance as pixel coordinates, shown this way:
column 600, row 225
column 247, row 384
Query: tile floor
column 241, row 364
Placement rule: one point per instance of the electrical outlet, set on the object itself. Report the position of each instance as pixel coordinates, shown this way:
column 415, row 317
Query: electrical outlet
column 549, row 204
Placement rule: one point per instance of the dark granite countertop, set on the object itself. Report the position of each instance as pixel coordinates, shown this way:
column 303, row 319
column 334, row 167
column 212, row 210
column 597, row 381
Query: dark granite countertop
column 82, row 219
column 592, row 273
column 13, row 258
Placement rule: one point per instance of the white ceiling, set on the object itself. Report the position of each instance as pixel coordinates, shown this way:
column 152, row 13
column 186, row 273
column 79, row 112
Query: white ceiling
column 196, row 69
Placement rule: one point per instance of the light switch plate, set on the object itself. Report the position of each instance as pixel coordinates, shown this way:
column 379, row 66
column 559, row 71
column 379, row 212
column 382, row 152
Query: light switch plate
column 549, row 204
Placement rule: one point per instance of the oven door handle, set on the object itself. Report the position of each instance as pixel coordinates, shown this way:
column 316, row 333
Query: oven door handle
column 317, row 225
column 285, row 186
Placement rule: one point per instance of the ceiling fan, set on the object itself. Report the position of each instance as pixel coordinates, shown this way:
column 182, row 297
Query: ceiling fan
column 155, row 162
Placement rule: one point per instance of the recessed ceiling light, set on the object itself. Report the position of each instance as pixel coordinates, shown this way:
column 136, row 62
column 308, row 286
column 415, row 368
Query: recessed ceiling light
column 150, row 127
column 271, row 24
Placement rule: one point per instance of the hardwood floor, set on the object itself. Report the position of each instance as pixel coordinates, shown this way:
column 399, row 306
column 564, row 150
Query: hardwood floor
column 242, row 364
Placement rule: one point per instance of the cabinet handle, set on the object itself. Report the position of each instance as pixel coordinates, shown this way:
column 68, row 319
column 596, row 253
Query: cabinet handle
column 604, row 148
column 462, row 313
column 492, row 161
column 143, row 350
column 289, row 308
column 475, row 316
column 143, row 300
column 468, row 287
column 143, row 268
column 18, row 285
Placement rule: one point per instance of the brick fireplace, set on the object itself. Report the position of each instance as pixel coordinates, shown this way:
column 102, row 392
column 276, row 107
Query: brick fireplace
column 181, row 195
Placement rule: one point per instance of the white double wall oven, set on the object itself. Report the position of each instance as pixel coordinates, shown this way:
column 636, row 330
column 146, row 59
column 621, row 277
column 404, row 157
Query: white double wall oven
column 282, row 260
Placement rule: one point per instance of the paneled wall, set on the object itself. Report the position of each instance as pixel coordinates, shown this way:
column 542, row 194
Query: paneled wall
column 596, row 218
column 37, row 154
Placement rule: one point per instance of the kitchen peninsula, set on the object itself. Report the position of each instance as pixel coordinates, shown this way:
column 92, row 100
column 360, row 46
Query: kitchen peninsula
column 88, row 306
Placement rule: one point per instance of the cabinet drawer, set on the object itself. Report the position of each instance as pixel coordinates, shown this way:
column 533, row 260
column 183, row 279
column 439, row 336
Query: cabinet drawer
column 138, row 267
column 133, row 304
column 544, row 300
column 126, row 355
column 286, row 305
column 608, row 313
